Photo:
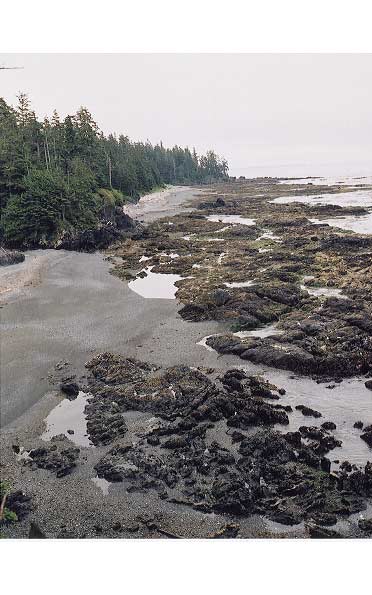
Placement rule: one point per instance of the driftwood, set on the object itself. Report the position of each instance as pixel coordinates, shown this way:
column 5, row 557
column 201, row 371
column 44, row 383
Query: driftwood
column 2, row 505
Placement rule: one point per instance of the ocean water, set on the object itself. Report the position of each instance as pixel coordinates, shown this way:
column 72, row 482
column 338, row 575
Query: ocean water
column 305, row 170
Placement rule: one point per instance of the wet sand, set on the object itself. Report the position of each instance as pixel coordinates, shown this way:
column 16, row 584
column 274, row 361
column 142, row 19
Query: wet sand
column 76, row 308
column 15, row 279
column 167, row 202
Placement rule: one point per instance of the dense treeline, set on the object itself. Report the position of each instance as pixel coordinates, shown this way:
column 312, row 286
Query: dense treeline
column 59, row 175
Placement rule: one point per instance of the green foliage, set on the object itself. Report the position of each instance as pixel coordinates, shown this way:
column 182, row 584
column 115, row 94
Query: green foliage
column 81, row 203
column 37, row 213
column 57, row 175
column 8, row 515
column 4, row 488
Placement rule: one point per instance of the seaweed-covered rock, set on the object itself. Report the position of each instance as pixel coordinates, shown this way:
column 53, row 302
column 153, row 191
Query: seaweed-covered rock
column 8, row 257
column 367, row 436
column 19, row 503
column 308, row 411
column 69, row 388
column 58, row 456
column 365, row 525
column 285, row 476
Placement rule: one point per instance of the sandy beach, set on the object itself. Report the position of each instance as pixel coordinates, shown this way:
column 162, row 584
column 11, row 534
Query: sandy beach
column 60, row 305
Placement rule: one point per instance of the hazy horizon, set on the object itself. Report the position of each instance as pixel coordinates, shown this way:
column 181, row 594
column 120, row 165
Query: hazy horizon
column 268, row 114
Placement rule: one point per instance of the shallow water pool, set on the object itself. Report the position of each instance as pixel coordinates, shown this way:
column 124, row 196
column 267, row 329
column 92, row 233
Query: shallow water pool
column 155, row 285
column 69, row 415
column 231, row 219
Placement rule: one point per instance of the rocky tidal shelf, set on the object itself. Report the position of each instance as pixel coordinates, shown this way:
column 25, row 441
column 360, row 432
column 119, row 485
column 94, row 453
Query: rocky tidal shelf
column 279, row 426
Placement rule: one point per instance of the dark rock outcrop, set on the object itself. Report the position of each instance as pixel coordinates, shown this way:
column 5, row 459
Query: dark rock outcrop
column 8, row 257
column 58, row 456
column 69, row 388
column 284, row 476
column 100, row 237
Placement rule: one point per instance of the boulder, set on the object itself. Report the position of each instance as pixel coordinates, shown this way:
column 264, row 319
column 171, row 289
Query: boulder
column 220, row 297
column 8, row 257
column 69, row 388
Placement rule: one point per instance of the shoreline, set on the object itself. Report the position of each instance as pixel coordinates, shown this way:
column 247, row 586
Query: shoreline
column 62, row 320
column 57, row 297
column 167, row 202
column 16, row 279
column 26, row 426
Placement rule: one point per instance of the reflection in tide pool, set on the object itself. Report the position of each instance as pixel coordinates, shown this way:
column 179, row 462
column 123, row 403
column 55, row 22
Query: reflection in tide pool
column 172, row 255
column 324, row 291
column 349, row 401
column 156, row 285
column 68, row 418
column 361, row 224
column 240, row 284
column 231, row 219
column 266, row 331
column 343, row 403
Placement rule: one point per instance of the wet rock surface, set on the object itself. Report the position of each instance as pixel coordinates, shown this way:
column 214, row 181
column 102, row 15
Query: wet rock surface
column 106, row 233
column 8, row 257
column 367, row 435
column 17, row 503
column 59, row 457
column 366, row 525
column 211, row 445
column 283, row 253
column 69, row 388
column 206, row 441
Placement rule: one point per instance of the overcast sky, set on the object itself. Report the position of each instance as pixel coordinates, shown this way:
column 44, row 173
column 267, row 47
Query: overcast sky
column 266, row 113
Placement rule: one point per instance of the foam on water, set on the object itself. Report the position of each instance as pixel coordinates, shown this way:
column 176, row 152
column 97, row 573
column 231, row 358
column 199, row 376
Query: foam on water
column 203, row 343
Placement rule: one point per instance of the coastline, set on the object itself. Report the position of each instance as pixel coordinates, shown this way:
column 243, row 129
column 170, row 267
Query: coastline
column 167, row 202
column 52, row 311
column 76, row 311
column 15, row 279
column 39, row 340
